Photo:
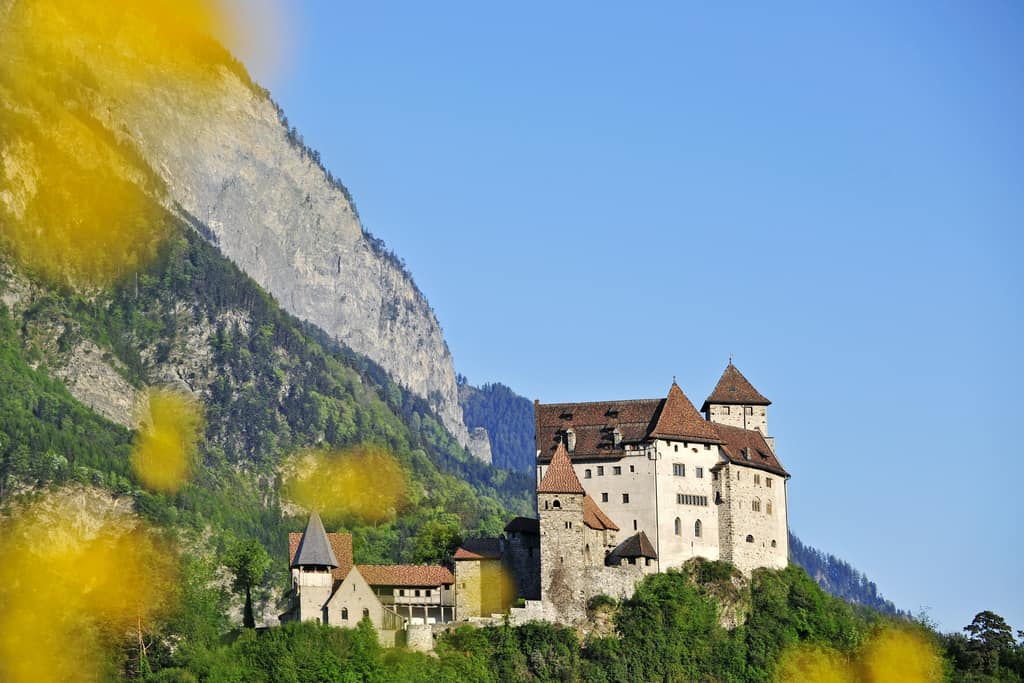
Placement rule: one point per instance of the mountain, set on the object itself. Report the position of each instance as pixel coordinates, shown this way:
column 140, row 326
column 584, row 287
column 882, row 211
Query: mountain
column 224, row 157
column 839, row 578
column 508, row 420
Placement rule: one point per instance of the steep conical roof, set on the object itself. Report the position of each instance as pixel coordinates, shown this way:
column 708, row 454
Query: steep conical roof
column 678, row 419
column 314, row 548
column 733, row 388
column 560, row 477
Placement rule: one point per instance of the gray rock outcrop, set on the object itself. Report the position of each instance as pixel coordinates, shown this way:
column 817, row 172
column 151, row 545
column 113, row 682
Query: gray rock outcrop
column 228, row 160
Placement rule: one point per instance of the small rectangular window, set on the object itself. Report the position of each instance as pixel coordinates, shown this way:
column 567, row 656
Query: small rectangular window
column 604, row 497
column 725, row 410
column 757, row 479
column 768, row 482
column 632, row 468
column 616, row 470
column 625, row 497
column 699, row 473
column 428, row 592
column 586, row 474
column 707, row 447
column 631, row 561
column 417, row 593
column 748, row 410
column 401, row 592
column 675, row 447
column 600, row 471
column 679, row 470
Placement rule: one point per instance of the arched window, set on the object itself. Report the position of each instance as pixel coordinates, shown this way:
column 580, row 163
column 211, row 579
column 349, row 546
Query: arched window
column 697, row 529
column 768, row 507
column 678, row 527
column 556, row 504
column 773, row 542
column 344, row 613
column 587, row 553
column 750, row 539
column 755, row 505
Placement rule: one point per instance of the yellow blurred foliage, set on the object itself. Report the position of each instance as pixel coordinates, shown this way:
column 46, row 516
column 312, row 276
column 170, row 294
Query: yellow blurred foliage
column 900, row 656
column 365, row 483
column 810, row 664
column 893, row 655
column 77, row 201
column 79, row 577
column 165, row 447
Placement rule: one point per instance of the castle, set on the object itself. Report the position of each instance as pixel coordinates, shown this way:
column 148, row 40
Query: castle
column 624, row 489
column 627, row 488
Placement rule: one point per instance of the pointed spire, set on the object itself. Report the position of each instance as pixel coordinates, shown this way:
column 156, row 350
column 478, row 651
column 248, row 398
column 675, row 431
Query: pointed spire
column 560, row 477
column 678, row 419
column 314, row 549
column 734, row 389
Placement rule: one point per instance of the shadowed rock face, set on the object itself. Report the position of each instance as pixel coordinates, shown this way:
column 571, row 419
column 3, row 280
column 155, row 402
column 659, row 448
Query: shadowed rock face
column 227, row 160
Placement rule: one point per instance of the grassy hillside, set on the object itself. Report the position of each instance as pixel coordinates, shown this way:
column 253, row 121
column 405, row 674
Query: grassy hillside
column 271, row 386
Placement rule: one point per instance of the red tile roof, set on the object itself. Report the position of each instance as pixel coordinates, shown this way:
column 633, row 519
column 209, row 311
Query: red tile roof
column 479, row 549
column 748, row 447
column 678, row 419
column 594, row 425
column 636, row 421
column 406, row 575
column 560, row 477
column 594, row 517
column 734, row 389
column 341, row 544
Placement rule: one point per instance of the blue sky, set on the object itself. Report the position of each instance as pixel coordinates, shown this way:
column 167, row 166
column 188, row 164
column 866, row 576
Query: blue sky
column 596, row 197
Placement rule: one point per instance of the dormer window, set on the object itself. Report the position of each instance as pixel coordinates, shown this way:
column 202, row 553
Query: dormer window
column 616, row 436
column 570, row 439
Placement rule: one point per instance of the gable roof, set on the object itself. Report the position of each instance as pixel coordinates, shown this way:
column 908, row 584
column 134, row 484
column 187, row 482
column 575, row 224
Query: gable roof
column 637, row 545
column 479, row 549
column 314, row 550
column 737, row 444
column 733, row 389
column 406, row 575
column 594, row 517
column 560, row 477
column 678, row 419
column 341, row 545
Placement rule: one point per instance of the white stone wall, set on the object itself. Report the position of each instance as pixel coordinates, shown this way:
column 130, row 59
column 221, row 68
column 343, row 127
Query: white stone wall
column 736, row 416
column 313, row 588
column 354, row 594
column 637, row 483
column 674, row 550
column 742, row 487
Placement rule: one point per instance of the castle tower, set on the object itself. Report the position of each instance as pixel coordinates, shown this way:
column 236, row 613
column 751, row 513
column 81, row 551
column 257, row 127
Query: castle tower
column 560, row 508
column 735, row 402
column 312, row 579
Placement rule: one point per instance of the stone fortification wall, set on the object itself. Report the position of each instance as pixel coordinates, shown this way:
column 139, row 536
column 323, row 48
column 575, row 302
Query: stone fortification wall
column 419, row 637
column 753, row 524
column 522, row 559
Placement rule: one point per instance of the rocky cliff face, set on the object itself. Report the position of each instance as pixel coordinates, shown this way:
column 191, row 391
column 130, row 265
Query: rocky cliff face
column 228, row 161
